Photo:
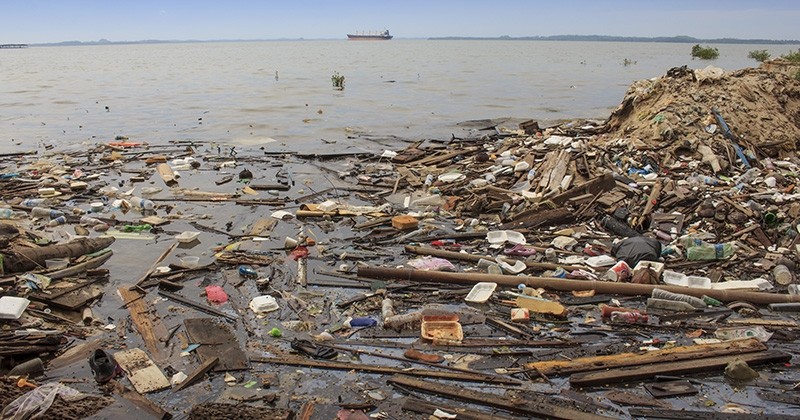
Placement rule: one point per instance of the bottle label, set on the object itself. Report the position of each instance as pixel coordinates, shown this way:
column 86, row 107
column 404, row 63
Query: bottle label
column 720, row 253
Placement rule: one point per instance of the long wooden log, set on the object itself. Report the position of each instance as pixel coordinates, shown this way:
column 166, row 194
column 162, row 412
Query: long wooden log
column 567, row 285
column 386, row 370
column 541, row 406
column 613, row 361
column 24, row 259
column 709, row 364
column 660, row 413
column 425, row 407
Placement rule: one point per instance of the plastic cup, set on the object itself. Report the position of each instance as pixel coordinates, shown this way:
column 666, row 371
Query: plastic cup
column 190, row 261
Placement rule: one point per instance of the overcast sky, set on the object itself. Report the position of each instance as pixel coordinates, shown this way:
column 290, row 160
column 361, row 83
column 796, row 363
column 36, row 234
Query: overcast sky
column 36, row 21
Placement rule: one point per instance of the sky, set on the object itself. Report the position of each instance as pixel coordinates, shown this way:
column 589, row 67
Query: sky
column 40, row 21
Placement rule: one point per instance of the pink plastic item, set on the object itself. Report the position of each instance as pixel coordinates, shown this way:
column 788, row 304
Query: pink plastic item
column 215, row 294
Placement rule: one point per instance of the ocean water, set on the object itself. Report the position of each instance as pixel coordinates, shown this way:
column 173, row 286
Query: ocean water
column 254, row 93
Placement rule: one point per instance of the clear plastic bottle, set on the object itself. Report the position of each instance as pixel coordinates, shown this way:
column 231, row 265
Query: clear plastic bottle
column 34, row 202
column 709, row 252
column 91, row 221
column 46, row 212
column 142, row 203
column 10, row 214
column 60, row 220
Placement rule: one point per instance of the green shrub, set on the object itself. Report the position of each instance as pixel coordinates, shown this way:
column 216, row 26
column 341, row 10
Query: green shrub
column 759, row 55
column 794, row 57
column 338, row 81
column 704, row 53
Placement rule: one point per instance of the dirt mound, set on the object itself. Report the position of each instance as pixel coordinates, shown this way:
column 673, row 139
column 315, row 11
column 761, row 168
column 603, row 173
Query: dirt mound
column 760, row 105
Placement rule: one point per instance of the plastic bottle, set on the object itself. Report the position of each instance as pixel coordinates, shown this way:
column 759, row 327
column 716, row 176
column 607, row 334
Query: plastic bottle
column 91, row 221
column 247, row 271
column 678, row 297
column 748, row 176
column 60, row 220
column 137, row 228
column 45, row 212
column 629, row 317
column 10, row 214
column 709, row 252
column 34, row 202
column 782, row 274
column 142, row 203
column 359, row 322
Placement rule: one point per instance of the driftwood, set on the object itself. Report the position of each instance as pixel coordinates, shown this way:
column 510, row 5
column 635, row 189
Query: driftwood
column 20, row 259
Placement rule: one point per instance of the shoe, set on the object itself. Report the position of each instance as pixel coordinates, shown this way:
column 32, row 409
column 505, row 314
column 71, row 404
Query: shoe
column 104, row 367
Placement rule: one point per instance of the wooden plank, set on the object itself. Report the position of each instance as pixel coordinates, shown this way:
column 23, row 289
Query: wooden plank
column 142, row 372
column 262, row 226
column 197, row 374
column 425, row 407
column 611, row 361
column 147, row 322
column 533, row 405
column 660, row 413
column 167, row 174
column 410, row 177
column 708, row 364
column 216, row 340
column 560, row 169
column 387, row 370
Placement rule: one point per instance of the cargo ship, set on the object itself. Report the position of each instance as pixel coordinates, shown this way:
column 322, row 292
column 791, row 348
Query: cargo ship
column 370, row 36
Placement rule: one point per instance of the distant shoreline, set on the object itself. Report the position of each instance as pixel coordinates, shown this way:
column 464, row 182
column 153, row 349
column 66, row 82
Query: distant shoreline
column 608, row 38
column 585, row 38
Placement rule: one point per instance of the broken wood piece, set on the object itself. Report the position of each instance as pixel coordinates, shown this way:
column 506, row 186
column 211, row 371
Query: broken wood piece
column 147, row 322
column 538, row 405
column 197, row 374
column 196, row 305
column 216, row 341
column 386, row 370
column 614, row 361
column 541, row 306
column 707, row 364
column 141, row 401
column 142, row 372
column 425, row 407
column 167, row 174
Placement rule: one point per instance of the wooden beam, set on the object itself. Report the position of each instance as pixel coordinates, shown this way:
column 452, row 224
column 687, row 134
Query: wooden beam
column 147, row 323
column 197, row 374
column 612, row 361
column 386, row 370
column 540, row 406
column 709, row 364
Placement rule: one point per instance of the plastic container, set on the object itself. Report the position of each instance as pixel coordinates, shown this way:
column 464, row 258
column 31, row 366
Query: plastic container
column 190, row 261
column 264, row 304
column 97, row 206
column 12, row 307
column 481, row 292
column 441, row 328
column 674, row 278
column 698, row 282
column 56, row 263
column 517, row 268
column 187, row 236
column 60, row 220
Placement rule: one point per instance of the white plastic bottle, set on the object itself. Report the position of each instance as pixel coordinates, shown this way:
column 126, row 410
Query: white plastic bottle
column 142, row 203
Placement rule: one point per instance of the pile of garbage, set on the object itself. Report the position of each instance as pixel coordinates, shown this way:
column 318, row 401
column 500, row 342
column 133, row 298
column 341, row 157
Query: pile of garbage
column 761, row 103
column 645, row 267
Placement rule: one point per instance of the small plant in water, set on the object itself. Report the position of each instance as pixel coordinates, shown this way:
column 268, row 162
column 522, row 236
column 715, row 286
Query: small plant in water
column 337, row 80
column 627, row 62
column 759, row 55
column 794, row 57
column 704, row 53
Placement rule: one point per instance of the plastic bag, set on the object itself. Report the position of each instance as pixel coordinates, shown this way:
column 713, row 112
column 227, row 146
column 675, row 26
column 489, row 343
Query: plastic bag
column 35, row 403
column 635, row 249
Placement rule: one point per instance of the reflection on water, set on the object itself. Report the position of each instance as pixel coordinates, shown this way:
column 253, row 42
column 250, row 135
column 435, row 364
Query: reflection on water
column 228, row 92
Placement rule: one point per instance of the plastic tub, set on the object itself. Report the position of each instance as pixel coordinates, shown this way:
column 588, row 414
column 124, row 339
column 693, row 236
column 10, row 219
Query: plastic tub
column 266, row 303
column 698, row 282
column 481, row 292
column 674, row 278
column 12, row 307
column 441, row 328
column 56, row 263
column 187, row 236
column 190, row 261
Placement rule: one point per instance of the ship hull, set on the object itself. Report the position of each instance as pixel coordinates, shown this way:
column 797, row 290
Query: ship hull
column 368, row 37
